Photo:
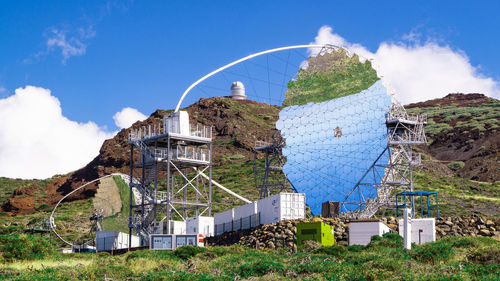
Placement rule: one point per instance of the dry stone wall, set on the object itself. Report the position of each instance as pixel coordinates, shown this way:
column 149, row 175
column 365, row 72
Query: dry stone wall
column 283, row 232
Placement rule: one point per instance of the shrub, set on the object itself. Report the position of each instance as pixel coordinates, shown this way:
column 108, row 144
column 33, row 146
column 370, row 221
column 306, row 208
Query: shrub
column 489, row 256
column 356, row 248
column 433, row 252
column 24, row 247
column 237, row 156
column 456, row 165
column 335, row 250
column 389, row 240
column 259, row 268
column 186, row 252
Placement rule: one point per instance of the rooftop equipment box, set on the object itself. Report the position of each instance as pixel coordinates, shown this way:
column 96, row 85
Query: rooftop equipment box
column 108, row 240
column 203, row 225
column 178, row 123
column 422, row 230
column 361, row 232
column 317, row 231
column 173, row 241
column 282, row 206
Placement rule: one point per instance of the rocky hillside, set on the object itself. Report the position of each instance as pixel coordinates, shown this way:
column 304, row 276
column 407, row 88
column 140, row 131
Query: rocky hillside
column 463, row 149
column 464, row 132
column 236, row 127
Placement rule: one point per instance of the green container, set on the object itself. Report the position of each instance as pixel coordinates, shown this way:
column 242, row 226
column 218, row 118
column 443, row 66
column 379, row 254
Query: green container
column 317, row 231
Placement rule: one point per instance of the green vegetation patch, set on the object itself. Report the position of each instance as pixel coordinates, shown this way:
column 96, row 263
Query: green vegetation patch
column 329, row 76
column 452, row 258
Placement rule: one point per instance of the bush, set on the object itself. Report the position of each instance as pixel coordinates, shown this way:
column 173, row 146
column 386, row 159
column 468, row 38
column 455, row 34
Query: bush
column 356, row 248
column 389, row 240
column 24, row 247
column 335, row 250
column 433, row 252
column 259, row 268
column 237, row 156
column 456, row 165
column 186, row 252
column 488, row 256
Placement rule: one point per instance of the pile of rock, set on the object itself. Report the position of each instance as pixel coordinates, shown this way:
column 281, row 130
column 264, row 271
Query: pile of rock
column 283, row 232
column 468, row 226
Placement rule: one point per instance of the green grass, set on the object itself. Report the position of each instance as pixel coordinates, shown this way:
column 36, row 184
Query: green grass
column 451, row 258
column 458, row 196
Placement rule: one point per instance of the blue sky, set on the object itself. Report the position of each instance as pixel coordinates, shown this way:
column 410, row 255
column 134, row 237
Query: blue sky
column 143, row 54
column 99, row 57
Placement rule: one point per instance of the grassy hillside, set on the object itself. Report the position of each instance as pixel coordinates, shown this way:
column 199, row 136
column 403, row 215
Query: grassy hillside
column 452, row 258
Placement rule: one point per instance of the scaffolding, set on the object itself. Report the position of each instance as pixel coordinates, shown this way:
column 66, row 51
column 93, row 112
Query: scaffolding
column 269, row 176
column 404, row 133
column 174, row 178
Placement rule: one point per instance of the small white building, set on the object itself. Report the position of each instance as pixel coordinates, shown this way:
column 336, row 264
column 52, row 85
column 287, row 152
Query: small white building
column 200, row 225
column 423, row 230
column 114, row 240
column 361, row 232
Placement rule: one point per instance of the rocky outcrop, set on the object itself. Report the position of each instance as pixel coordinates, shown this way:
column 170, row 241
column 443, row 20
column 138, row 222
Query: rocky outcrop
column 282, row 233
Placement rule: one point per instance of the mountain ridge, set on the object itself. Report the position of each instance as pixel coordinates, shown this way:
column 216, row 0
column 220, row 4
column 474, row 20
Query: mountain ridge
column 238, row 124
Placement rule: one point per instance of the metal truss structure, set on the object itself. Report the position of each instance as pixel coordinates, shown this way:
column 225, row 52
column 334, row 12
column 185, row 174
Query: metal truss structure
column 269, row 178
column 175, row 176
column 404, row 132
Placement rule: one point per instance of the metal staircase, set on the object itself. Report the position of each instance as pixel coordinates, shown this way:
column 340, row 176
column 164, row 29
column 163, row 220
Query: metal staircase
column 403, row 133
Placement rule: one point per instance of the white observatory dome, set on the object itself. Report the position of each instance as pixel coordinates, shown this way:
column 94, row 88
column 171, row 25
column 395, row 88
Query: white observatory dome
column 238, row 91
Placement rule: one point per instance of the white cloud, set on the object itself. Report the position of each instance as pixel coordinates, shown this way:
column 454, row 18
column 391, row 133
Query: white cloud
column 128, row 116
column 37, row 141
column 69, row 45
column 418, row 71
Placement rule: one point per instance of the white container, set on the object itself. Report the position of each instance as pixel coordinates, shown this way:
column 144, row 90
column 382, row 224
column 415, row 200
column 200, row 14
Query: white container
column 246, row 216
column 422, row 230
column 107, row 240
column 178, row 123
column 176, row 227
column 360, row 233
column 203, row 225
column 245, row 211
column 221, row 219
column 282, row 206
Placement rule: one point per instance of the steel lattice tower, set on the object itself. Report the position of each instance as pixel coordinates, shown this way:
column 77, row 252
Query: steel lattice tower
column 175, row 179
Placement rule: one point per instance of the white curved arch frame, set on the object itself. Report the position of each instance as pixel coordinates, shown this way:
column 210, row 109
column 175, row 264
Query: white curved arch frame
column 247, row 58
column 51, row 217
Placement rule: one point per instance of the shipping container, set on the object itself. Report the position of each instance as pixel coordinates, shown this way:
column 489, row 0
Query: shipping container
column 200, row 224
column 245, row 216
column 282, row 206
column 423, row 230
column 221, row 219
column 108, row 240
column 361, row 232
column 316, row 231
